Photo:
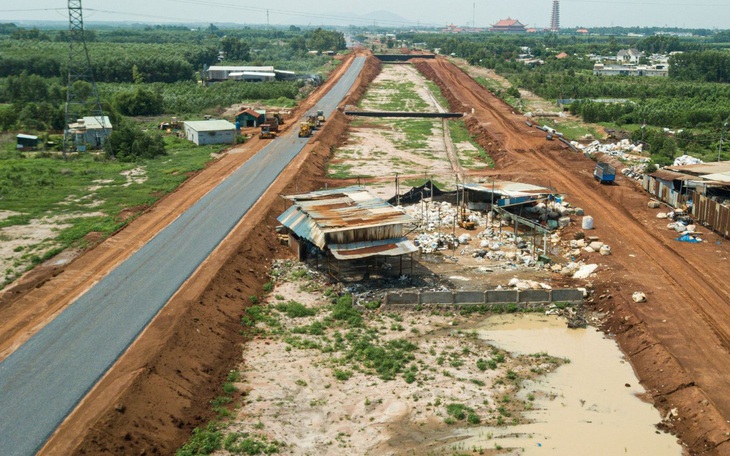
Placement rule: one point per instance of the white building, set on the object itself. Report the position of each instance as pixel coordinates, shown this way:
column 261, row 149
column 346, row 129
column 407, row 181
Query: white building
column 203, row 132
column 241, row 73
column 599, row 69
column 629, row 56
column 90, row 131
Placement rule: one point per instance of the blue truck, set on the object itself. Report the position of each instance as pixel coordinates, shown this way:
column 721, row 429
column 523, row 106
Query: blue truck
column 604, row 173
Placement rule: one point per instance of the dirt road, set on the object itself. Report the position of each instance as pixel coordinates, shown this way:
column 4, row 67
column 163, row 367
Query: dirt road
column 679, row 340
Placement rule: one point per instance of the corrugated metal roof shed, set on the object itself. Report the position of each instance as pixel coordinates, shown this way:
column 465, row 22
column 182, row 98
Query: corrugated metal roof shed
column 508, row 189
column 389, row 247
column 210, row 125
column 268, row 69
column 667, row 175
column 315, row 214
column 718, row 177
column 703, row 168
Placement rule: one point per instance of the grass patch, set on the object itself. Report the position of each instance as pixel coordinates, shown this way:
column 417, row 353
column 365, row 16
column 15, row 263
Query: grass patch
column 293, row 309
column 472, row 159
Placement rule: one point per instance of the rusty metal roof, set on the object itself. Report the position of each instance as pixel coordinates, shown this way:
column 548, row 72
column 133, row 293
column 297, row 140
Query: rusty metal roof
column 389, row 247
column 327, row 211
column 667, row 175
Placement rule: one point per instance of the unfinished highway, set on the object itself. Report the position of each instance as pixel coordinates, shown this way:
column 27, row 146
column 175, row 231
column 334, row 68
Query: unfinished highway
column 46, row 377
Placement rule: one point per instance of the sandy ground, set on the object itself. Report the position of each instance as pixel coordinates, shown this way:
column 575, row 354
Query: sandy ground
column 374, row 147
column 294, row 396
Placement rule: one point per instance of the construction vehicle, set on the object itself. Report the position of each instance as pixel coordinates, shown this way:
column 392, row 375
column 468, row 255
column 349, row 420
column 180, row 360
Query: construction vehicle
column 274, row 122
column 266, row 132
column 605, row 173
column 313, row 122
column 464, row 221
column 305, row 131
column 320, row 116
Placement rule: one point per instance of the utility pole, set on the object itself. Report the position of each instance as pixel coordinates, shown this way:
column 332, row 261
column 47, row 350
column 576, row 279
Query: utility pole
column 80, row 101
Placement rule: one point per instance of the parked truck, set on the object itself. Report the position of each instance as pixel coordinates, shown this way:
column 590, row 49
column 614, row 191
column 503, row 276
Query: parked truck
column 320, row 116
column 604, row 173
column 267, row 132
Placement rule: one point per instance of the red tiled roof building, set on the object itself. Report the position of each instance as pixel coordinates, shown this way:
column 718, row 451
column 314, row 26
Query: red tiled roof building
column 508, row 26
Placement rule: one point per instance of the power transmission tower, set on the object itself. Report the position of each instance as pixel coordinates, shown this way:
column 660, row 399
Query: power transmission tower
column 81, row 99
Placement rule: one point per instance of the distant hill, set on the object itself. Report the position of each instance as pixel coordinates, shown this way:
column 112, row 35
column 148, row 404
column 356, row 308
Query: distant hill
column 383, row 18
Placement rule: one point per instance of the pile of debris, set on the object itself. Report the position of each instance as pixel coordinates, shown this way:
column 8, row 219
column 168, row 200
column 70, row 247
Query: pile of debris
column 635, row 172
column 433, row 215
column 687, row 160
column 623, row 149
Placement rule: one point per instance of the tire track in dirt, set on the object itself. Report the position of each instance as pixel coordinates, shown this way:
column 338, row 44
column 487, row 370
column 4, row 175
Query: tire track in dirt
column 688, row 311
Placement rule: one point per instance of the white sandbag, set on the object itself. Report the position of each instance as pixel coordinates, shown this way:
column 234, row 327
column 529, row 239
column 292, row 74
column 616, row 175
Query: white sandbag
column 587, row 222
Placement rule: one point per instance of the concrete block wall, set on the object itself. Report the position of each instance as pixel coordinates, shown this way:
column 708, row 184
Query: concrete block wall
column 492, row 298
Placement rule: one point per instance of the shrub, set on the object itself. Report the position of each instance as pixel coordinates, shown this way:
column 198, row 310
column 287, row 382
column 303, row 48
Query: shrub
column 203, row 441
column 293, row 309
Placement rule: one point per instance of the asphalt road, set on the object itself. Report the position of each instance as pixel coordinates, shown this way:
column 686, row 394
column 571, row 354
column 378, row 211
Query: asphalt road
column 44, row 379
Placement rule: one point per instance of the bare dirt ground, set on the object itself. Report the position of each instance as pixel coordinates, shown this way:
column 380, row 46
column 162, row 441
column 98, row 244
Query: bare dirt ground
column 312, row 400
column 678, row 341
column 160, row 389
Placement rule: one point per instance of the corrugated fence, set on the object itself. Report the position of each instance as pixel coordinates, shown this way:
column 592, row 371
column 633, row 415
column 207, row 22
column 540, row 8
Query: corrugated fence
column 711, row 214
column 491, row 298
column 707, row 212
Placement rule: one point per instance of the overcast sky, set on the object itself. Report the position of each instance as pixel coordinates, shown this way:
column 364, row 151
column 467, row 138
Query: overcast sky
column 534, row 13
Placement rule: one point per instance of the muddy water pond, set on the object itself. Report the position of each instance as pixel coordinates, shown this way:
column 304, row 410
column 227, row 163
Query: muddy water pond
column 590, row 405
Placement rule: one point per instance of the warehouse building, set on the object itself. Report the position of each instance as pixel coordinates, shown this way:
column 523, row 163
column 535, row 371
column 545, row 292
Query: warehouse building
column 203, row 132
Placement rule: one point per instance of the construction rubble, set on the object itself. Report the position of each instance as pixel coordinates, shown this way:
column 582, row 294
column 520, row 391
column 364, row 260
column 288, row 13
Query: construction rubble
column 500, row 248
column 684, row 160
column 623, row 149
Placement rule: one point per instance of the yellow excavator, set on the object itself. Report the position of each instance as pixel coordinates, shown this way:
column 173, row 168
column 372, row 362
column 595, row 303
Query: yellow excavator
column 305, row 131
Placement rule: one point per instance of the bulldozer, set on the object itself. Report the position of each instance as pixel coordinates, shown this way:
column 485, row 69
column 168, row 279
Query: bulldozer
column 313, row 122
column 305, row 131
column 266, row 132
column 320, row 116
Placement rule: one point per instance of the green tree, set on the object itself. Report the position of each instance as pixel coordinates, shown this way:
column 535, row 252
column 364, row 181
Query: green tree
column 129, row 143
column 140, row 102
column 235, row 48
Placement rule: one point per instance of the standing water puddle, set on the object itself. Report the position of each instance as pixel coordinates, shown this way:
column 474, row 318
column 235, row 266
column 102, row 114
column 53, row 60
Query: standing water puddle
column 592, row 411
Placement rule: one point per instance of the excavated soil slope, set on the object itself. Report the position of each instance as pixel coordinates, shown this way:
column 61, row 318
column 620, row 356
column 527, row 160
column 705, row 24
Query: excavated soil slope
column 679, row 340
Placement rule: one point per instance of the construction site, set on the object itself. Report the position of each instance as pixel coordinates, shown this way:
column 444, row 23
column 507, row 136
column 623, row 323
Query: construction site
column 416, row 208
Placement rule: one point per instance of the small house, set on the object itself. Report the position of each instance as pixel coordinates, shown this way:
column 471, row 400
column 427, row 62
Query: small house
column 203, row 132
column 26, row 142
column 629, row 55
column 90, row 131
column 250, row 118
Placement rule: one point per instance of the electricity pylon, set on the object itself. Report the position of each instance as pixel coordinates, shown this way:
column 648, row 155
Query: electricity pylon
column 81, row 99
